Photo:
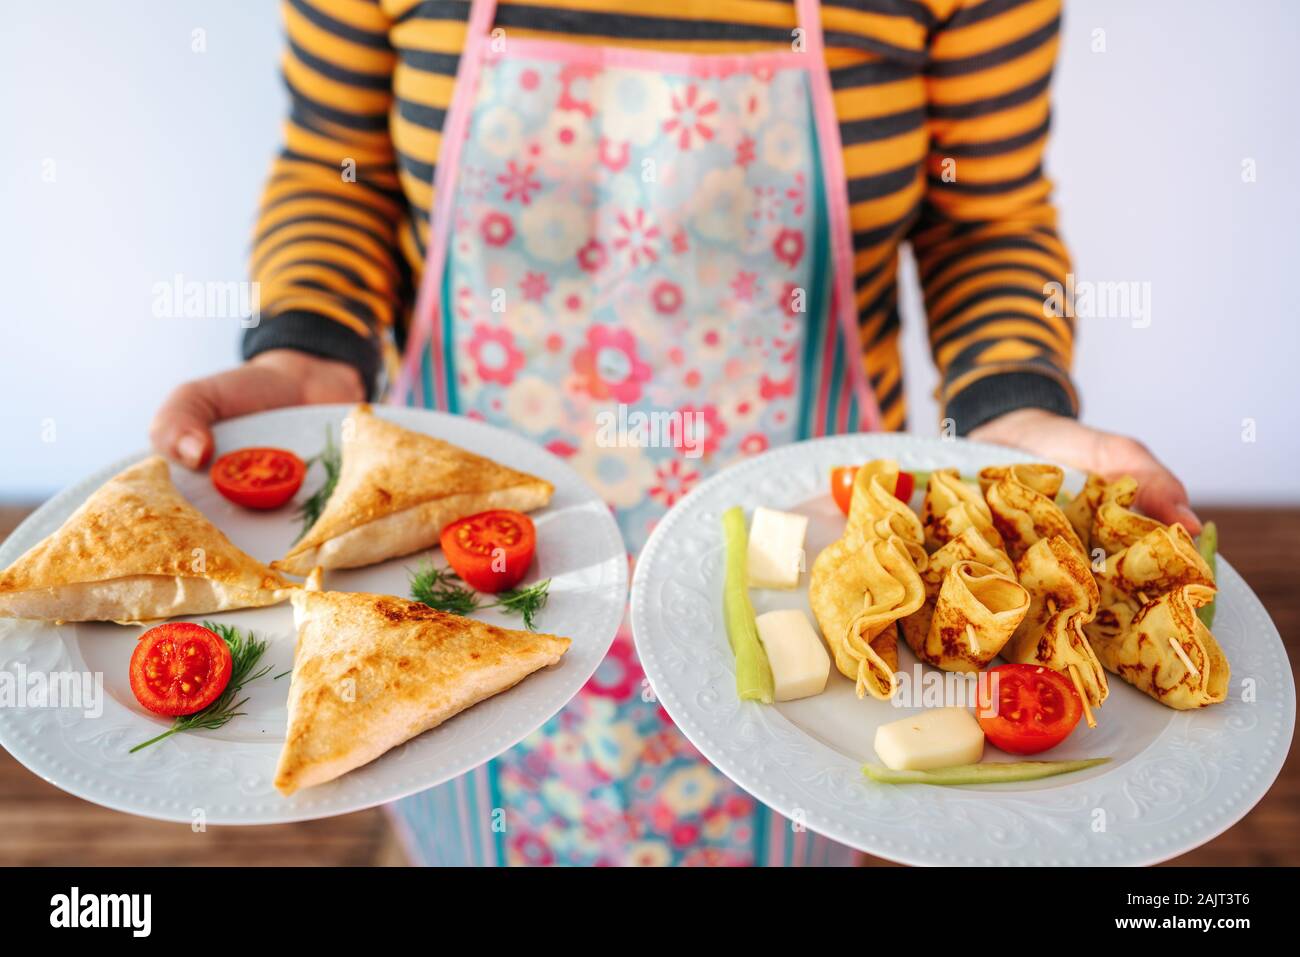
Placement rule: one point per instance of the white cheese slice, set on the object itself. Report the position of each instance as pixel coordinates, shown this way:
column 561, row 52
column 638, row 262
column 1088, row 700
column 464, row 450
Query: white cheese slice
column 800, row 664
column 938, row 738
column 776, row 548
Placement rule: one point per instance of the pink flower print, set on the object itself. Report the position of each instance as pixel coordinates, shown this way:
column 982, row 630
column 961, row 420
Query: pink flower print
column 699, row 428
column 574, row 88
column 529, row 79
column 790, row 297
column 681, row 242
column 767, row 203
column 638, row 237
column 692, row 117
column 608, row 366
column 592, row 256
column 788, row 246
column 666, row 297
column 745, row 151
column 614, row 156
column 618, row 676
column 534, row 286
column 672, row 481
column 753, row 443
column 531, row 849
column 519, row 183
column 745, row 285
column 562, row 448
column 798, row 194
column 770, row 389
column 495, row 357
column 497, row 229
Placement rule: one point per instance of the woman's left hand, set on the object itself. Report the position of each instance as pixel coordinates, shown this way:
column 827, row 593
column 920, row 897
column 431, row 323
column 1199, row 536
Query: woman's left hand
column 1059, row 439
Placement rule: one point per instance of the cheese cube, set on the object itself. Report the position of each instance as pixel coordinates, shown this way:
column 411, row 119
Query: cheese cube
column 800, row 664
column 776, row 548
column 938, row 738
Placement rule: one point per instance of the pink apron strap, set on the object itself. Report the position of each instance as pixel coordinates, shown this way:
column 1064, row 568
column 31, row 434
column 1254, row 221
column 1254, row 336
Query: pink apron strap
column 425, row 329
column 837, row 202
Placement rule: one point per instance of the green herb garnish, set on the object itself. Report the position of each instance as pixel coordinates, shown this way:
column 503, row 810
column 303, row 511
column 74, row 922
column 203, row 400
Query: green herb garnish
column 443, row 590
column 331, row 459
column 245, row 653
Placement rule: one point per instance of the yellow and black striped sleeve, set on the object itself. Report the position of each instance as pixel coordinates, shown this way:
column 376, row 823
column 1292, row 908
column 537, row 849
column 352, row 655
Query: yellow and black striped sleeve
column 986, row 240
column 325, row 252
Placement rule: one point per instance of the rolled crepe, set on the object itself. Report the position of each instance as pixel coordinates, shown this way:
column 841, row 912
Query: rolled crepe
column 950, row 507
column 1161, row 560
column 874, row 511
column 976, row 613
column 969, row 546
column 1063, row 598
column 1114, row 525
column 859, row 587
column 1021, row 498
column 1083, row 508
column 1164, row 649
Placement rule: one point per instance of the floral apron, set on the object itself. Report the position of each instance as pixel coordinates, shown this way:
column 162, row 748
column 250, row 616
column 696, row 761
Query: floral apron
column 614, row 232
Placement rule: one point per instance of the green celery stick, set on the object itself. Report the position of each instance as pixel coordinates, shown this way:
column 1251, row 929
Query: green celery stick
column 753, row 673
column 992, row 773
column 1208, row 544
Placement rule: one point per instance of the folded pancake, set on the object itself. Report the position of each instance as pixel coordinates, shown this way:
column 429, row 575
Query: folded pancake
column 1082, row 509
column 136, row 550
column 976, row 612
column 1114, row 525
column 858, row 588
column 875, row 512
column 1022, row 500
column 1063, row 598
column 969, row 546
column 372, row 671
column 1165, row 649
column 1163, row 559
column 397, row 490
column 951, row 506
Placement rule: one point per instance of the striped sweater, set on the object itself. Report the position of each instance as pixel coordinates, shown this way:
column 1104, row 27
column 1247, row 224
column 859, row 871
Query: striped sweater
column 943, row 111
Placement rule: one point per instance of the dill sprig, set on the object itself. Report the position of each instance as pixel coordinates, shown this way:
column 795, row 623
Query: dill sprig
column 245, row 652
column 443, row 590
column 332, row 461
column 525, row 602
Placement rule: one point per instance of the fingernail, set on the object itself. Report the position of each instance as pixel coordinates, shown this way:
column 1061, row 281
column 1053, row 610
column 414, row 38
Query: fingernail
column 189, row 448
column 1188, row 518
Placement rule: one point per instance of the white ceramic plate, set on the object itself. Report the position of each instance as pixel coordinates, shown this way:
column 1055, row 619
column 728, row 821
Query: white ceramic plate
column 1175, row 779
column 225, row 775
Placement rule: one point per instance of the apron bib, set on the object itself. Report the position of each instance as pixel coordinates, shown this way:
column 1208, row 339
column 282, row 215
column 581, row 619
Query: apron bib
column 641, row 261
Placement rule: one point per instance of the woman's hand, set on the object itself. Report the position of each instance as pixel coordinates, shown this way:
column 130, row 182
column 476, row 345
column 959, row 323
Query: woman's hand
column 182, row 429
column 1059, row 439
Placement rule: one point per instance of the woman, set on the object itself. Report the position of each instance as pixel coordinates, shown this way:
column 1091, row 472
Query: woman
column 673, row 206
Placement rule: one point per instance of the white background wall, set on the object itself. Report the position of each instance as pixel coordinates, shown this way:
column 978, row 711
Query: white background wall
column 159, row 153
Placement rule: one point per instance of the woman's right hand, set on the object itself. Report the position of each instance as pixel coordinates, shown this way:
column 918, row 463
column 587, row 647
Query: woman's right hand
column 182, row 428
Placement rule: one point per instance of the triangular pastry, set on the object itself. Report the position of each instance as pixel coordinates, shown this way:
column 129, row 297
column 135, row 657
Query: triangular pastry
column 136, row 550
column 397, row 490
column 373, row 671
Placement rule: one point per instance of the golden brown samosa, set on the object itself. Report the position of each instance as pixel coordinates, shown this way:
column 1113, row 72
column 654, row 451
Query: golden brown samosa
column 1114, row 525
column 136, row 550
column 950, row 507
column 373, row 671
column 975, row 614
column 397, row 490
column 1021, row 498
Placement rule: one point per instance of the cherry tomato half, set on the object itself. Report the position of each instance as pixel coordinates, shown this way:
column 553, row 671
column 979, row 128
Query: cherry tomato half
column 1037, row 708
column 492, row 550
column 258, row 478
column 179, row 668
column 842, row 486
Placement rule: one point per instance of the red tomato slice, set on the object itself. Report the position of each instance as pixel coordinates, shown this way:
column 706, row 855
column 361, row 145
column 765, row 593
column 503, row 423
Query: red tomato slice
column 492, row 550
column 179, row 668
column 842, row 486
column 1036, row 709
column 258, row 478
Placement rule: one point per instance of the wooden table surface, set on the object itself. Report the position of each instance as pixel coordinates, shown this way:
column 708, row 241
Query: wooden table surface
column 41, row 825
